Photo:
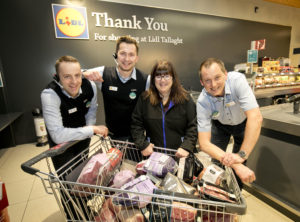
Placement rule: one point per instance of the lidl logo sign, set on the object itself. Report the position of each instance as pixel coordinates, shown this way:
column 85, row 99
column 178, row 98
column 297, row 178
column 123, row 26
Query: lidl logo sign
column 70, row 22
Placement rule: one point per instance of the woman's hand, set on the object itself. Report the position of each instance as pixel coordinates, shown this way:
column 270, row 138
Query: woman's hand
column 181, row 153
column 148, row 151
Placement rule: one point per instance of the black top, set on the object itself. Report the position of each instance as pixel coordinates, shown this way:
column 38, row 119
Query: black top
column 174, row 128
column 73, row 110
column 120, row 99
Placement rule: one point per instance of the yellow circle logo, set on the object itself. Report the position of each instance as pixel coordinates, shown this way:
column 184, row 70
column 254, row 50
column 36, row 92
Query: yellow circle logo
column 70, row 22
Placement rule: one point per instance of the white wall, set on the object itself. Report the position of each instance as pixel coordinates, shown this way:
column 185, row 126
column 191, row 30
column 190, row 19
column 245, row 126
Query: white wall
column 241, row 9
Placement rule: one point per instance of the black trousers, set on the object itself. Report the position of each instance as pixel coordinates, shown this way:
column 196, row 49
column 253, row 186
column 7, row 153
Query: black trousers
column 59, row 161
column 220, row 136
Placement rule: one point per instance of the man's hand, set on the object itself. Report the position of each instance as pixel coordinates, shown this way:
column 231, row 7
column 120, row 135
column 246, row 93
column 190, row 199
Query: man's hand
column 102, row 130
column 181, row 153
column 231, row 158
column 244, row 173
column 93, row 75
column 148, row 151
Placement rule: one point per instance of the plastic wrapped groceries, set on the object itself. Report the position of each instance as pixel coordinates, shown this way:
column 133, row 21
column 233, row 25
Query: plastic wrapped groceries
column 122, row 178
column 216, row 193
column 142, row 185
column 160, row 164
column 100, row 167
column 212, row 174
column 175, row 184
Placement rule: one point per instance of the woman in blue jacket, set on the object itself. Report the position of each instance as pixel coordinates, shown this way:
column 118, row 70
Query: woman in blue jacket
column 165, row 115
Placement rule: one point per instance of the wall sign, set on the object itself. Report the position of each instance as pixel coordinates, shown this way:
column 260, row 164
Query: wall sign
column 70, row 22
column 252, row 56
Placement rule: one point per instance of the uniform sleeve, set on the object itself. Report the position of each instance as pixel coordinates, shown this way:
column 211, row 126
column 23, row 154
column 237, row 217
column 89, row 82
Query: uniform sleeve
column 53, row 120
column 204, row 113
column 137, row 125
column 190, row 138
column 99, row 69
column 244, row 93
column 90, row 117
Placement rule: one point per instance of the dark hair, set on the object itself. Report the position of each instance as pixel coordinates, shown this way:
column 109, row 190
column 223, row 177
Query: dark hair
column 65, row 58
column 178, row 94
column 208, row 62
column 129, row 40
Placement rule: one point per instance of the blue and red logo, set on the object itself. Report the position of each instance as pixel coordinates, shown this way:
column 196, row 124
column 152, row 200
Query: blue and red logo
column 70, row 22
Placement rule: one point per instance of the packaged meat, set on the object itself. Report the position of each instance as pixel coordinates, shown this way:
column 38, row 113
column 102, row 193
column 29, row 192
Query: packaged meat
column 212, row 174
column 90, row 171
column 183, row 212
column 132, row 215
column 100, row 167
column 216, row 193
column 115, row 157
column 218, row 217
column 160, row 164
column 106, row 214
column 122, row 178
column 188, row 167
column 140, row 167
column 162, row 209
column 173, row 183
column 143, row 185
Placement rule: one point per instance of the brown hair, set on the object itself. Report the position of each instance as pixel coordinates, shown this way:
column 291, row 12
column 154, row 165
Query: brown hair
column 65, row 58
column 178, row 94
column 129, row 40
column 208, row 62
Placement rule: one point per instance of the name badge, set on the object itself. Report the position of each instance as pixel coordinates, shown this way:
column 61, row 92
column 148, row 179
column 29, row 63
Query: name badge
column 113, row 88
column 215, row 115
column 72, row 110
column 232, row 103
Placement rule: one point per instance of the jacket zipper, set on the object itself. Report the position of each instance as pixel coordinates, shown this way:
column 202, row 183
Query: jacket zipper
column 163, row 122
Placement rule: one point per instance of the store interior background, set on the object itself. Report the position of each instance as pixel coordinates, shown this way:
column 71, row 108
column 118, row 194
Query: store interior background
column 29, row 48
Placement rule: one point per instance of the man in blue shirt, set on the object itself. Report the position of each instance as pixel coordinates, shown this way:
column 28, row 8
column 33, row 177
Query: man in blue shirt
column 69, row 105
column 227, row 107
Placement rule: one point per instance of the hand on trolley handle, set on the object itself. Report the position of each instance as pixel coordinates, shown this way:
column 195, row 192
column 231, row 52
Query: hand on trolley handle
column 102, row 130
column 148, row 150
column 244, row 173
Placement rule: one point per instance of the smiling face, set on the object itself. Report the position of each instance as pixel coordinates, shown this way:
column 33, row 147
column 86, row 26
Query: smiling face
column 163, row 83
column 70, row 77
column 213, row 79
column 127, row 57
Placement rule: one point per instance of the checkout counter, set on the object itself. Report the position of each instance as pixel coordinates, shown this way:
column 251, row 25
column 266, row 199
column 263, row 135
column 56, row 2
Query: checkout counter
column 276, row 157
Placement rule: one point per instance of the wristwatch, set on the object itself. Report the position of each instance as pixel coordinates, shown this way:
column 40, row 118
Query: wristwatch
column 242, row 154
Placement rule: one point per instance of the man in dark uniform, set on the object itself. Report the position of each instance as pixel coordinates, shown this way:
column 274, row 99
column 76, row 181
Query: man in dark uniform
column 69, row 107
column 121, row 86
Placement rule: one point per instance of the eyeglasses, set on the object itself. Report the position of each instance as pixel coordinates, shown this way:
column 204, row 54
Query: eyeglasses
column 165, row 77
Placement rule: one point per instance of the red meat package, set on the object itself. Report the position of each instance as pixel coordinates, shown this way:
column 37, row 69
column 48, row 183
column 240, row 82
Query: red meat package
column 90, row 171
column 183, row 212
column 99, row 166
column 106, row 214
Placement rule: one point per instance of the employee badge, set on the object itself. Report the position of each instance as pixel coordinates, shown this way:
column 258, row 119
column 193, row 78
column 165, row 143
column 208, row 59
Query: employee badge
column 232, row 103
column 215, row 115
column 88, row 104
column 132, row 95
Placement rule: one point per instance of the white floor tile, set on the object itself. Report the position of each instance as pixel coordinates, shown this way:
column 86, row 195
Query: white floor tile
column 259, row 211
column 16, row 211
column 43, row 209
column 19, row 191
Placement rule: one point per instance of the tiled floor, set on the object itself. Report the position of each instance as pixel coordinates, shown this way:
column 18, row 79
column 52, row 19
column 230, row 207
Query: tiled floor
column 30, row 203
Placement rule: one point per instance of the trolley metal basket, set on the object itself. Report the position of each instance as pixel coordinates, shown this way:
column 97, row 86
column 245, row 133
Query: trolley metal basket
column 99, row 202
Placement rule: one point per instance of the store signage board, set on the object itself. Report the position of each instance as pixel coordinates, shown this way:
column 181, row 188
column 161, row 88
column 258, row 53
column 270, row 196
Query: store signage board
column 252, row 56
column 1, row 82
column 70, row 22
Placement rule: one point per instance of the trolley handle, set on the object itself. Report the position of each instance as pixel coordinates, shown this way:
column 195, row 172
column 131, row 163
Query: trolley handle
column 54, row 151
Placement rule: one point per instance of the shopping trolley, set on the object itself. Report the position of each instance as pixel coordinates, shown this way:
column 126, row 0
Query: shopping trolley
column 100, row 202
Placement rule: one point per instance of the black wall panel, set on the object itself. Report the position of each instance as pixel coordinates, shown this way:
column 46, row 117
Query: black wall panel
column 29, row 47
